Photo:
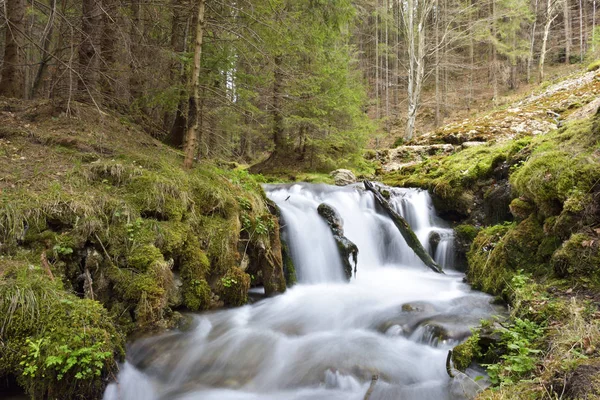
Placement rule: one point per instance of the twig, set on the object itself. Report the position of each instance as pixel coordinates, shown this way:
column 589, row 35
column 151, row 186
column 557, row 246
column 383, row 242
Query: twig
column 374, row 380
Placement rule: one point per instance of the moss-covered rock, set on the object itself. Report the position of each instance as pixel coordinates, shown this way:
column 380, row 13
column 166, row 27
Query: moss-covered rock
column 467, row 352
column 234, row 287
column 578, row 257
column 58, row 346
column 521, row 208
column 142, row 257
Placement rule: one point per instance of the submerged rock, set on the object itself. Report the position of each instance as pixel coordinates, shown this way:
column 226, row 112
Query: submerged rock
column 343, row 177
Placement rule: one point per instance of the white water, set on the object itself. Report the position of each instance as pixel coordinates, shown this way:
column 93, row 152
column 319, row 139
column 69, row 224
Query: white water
column 325, row 338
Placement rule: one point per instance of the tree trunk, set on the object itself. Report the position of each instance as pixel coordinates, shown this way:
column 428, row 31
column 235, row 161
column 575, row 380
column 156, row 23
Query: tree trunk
column 581, row 45
column 89, row 57
column 550, row 17
column 438, row 96
column 567, row 24
column 45, row 57
column 532, row 43
column 405, row 229
column 179, row 30
column 12, row 82
column 191, row 137
column 109, row 44
column 377, row 111
column 278, row 131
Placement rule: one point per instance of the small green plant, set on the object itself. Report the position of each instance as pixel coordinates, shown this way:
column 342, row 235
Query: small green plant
column 62, row 250
column 86, row 361
column 228, row 282
column 133, row 228
column 519, row 342
column 245, row 203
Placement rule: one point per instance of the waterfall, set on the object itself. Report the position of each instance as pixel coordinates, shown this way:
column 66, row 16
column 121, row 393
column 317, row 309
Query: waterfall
column 380, row 243
column 325, row 337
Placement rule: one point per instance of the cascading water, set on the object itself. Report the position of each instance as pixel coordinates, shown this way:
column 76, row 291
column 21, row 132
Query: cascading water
column 325, row 338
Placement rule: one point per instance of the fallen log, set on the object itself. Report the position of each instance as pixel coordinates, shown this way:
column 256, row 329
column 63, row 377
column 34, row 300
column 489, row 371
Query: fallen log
column 405, row 229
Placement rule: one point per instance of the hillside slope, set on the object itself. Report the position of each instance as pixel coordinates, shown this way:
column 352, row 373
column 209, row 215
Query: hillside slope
column 527, row 198
column 102, row 235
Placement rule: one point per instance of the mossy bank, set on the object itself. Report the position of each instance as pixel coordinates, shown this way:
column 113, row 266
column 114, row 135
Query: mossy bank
column 529, row 209
column 103, row 235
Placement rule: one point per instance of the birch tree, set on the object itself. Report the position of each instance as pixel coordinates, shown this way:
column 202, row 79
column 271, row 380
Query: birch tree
column 414, row 21
column 552, row 7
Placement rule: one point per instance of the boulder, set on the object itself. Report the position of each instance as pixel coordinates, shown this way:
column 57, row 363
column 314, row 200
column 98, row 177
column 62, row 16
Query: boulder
column 343, row 177
column 346, row 247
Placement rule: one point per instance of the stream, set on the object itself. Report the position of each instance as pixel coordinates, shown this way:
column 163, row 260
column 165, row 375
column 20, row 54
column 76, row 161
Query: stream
column 326, row 337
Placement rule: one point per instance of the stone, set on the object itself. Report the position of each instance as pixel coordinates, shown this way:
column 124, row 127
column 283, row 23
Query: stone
column 343, row 177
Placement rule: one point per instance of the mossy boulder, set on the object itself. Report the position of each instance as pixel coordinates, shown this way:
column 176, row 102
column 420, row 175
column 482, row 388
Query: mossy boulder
column 234, row 287
column 499, row 252
column 520, row 208
column 562, row 170
column 57, row 345
column 467, row 352
column 142, row 257
column 578, row 257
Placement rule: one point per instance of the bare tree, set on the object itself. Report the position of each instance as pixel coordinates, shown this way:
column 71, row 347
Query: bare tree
column 552, row 7
column 567, row 25
column 414, row 19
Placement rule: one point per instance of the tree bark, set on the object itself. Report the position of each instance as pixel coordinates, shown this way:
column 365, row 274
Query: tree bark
column 532, row 43
column 89, row 57
column 278, row 131
column 405, row 229
column 12, row 82
column 550, row 17
column 178, row 45
column 45, row 57
column 567, row 24
column 191, row 137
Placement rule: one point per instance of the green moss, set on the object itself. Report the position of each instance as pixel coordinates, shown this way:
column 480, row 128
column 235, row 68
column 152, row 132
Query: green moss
column 466, row 232
column 193, row 270
column 465, row 353
column 234, row 287
column 142, row 257
column 593, row 66
column 43, row 326
column 452, row 178
column 562, row 169
column 219, row 241
column 196, row 295
column 499, row 252
column 147, row 292
column 170, row 237
column 578, row 257
column 486, row 271
column 521, row 209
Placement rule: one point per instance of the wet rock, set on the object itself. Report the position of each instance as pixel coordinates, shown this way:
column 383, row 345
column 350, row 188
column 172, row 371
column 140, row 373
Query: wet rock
column 343, row 177
column 346, row 248
column 332, row 217
column 465, row 386
column 434, row 241
column 419, row 306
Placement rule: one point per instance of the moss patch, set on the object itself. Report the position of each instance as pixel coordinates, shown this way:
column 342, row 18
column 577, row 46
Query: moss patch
column 58, row 345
